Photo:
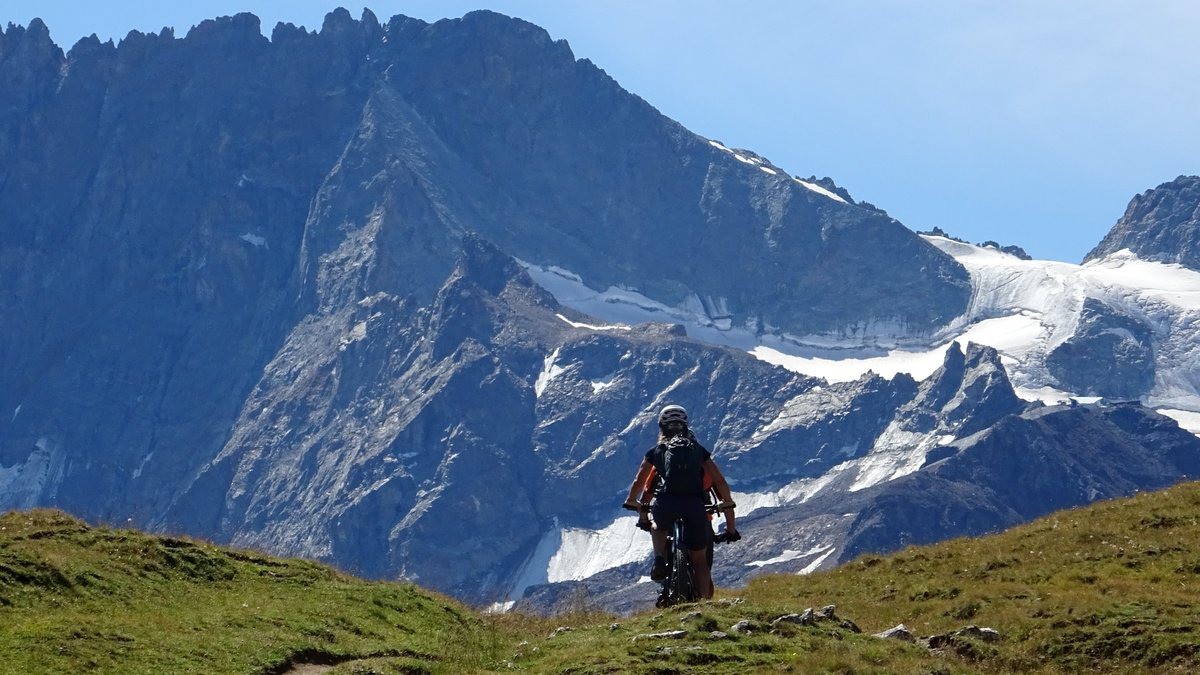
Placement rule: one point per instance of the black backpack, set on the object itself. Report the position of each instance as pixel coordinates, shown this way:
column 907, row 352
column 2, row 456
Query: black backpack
column 682, row 472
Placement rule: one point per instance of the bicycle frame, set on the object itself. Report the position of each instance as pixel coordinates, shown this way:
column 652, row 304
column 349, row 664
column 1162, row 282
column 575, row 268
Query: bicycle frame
column 680, row 584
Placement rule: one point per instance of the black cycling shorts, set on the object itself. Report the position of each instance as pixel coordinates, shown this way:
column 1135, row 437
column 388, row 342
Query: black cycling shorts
column 696, row 530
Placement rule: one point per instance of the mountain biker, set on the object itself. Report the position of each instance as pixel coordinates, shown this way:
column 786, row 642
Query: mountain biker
column 710, row 502
column 682, row 464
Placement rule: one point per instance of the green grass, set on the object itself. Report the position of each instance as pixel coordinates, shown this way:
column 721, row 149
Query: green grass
column 1109, row 588
column 1113, row 587
column 80, row 599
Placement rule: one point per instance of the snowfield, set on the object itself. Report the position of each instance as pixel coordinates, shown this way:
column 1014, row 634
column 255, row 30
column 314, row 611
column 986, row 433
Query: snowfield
column 1164, row 296
column 1022, row 308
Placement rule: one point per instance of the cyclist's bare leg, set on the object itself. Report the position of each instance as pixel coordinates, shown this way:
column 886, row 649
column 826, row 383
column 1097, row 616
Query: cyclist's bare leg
column 701, row 573
column 659, row 537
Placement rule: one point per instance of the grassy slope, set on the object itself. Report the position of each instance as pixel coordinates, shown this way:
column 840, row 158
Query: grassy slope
column 1108, row 588
column 81, row 599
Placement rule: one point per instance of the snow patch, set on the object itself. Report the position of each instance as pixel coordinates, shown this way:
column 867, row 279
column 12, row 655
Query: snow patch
column 812, row 566
column 254, row 240
column 789, row 555
column 897, row 453
column 588, row 326
column 566, row 274
column 820, row 190
column 1165, row 296
column 550, row 370
column 533, row 572
column 1005, row 333
column 1187, row 419
column 16, row 411
column 26, row 483
column 706, row 319
column 583, row 553
column 766, row 170
column 603, row 383
column 796, row 492
column 1048, row 395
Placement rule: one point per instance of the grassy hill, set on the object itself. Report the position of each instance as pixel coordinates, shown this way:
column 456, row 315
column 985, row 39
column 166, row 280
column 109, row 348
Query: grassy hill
column 1108, row 588
column 75, row 598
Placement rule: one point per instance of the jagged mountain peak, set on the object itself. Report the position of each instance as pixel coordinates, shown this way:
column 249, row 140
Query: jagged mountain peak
column 499, row 31
column 36, row 31
column 488, row 294
column 486, row 265
column 243, row 26
column 485, row 274
column 32, row 41
column 969, row 392
column 1162, row 224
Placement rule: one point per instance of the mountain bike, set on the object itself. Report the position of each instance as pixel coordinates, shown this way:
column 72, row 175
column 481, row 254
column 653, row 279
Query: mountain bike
column 679, row 586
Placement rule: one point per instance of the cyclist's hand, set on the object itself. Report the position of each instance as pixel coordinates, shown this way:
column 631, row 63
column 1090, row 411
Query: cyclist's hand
column 632, row 505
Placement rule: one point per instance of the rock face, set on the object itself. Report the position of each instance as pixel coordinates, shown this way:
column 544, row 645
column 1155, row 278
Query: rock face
column 197, row 199
column 1026, row 466
column 275, row 292
column 1111, row 354
column 1162, row 224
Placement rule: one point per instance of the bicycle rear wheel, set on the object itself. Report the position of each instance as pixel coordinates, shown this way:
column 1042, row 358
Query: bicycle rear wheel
column 683, row 588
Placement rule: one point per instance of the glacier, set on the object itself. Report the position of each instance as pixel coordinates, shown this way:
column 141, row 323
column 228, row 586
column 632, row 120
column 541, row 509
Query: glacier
column 1022, row 308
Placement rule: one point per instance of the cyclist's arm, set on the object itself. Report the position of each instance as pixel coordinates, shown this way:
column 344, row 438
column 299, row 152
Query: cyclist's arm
column 647, row 490
column 718, row 481
column 639, row 482
column 723, row 493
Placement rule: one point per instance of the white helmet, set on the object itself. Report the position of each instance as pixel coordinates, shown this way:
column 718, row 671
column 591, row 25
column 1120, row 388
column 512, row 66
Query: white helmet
column 672, row 413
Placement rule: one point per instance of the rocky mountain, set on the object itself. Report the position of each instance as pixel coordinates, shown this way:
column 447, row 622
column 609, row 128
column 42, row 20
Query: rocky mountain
column 195, row 227
column 406, row 297
column 936, row 472
column 1162, row 224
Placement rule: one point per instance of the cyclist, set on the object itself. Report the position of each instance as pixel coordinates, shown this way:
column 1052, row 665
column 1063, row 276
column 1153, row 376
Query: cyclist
column 710, row 503
column 682, row 465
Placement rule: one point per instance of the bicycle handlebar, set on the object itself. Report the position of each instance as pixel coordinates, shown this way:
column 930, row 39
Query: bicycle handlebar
column 727, row 538
column 723, row 538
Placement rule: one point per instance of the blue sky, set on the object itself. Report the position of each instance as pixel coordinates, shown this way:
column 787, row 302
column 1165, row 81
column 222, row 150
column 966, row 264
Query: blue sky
column 1025, row 122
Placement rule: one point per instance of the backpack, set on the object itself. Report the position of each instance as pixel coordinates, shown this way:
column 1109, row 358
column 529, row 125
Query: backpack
column 682, row 473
